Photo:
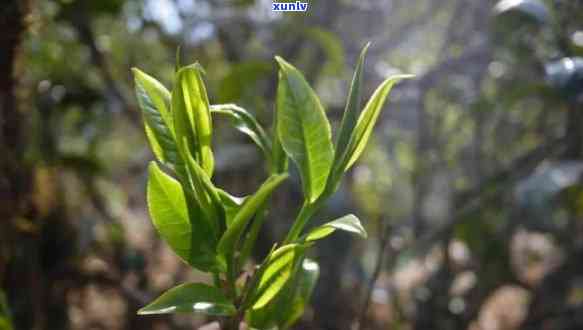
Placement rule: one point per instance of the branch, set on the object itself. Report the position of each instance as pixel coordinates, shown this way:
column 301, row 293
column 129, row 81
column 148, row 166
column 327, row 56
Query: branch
column 385, row 235
column 473, row 200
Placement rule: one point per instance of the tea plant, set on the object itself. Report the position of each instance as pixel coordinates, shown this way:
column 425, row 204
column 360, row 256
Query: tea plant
column 213, row 231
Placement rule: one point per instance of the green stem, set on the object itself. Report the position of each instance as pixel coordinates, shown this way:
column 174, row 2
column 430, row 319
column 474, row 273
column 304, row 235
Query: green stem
column 306, row 212
column 231, row 288
column 249, row 242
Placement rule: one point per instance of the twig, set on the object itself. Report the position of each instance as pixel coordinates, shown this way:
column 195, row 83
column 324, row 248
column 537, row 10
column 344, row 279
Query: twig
column 381, row 253
column 490, row 188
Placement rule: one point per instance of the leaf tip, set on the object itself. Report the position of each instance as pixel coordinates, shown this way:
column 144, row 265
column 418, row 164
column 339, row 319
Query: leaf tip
column 281, row 62
column 138, row 74
column 365, row 48
column 403, row 76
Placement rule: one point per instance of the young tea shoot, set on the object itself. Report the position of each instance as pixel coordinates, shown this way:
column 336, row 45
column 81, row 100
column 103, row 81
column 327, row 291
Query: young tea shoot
column 214, row 231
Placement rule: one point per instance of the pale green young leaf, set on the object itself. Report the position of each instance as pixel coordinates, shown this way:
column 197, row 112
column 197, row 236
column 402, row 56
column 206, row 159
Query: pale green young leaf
column 279, row 159
column 349, row 119
column 246, row 124
column 206, row 195
column 168, row 209
column 251, row 205
column 303, row 129
column 367, row 120
column 348, row 223
column 289, row 304
column 274, row 274
column 154, row 101
column 309, row 274
column 191, row 298
column 192, row 116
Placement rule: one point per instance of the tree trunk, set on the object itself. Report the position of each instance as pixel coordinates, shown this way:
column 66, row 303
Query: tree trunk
column 34, row 237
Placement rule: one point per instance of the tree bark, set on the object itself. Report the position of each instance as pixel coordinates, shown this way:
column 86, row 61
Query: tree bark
column 15, row 178
column 34, row 236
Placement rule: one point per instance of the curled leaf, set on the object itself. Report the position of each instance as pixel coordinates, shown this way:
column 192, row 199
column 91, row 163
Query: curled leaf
column 348, row 223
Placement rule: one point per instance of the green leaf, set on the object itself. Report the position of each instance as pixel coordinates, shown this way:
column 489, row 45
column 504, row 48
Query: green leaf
column 289, row 304
column 274, row 274
column 189, row 298
column 367, row 120
column 302, row 293
column 154, row 102
column 303, row 129
column 168, row 209
column 348, row 223
column 279, row 161
column 192, row 116
column 206, row 195
column 246, row 124
column 349, row 120
column 250, row 206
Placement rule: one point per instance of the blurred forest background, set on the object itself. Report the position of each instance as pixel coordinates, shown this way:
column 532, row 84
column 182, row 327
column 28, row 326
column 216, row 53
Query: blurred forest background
column 471, row 189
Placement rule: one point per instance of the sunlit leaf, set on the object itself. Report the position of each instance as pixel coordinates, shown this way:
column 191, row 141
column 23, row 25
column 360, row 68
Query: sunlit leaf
column 279, row 159
column 303, row 129
column 289, row 304
column 191, row 298
column 349, row 119
column 154, row 101
column 168, row 209
column 348, row 223
column 246, row 124
column 274, row 274
column 309, row 273
column 192, row 116
column 206, row 195
column 367, row 120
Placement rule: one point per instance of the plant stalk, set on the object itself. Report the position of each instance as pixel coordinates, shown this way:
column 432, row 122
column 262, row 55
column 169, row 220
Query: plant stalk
column 384, row 239
column 306, row 212
column 232, row 323
column 251, row 238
